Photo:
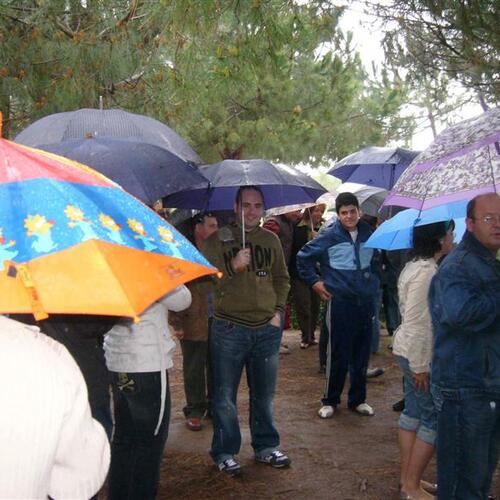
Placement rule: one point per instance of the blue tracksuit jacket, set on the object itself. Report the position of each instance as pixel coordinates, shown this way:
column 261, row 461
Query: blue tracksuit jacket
column 347, row 268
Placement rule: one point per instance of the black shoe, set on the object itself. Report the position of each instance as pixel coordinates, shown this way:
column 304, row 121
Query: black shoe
column 230, row 466
column 399, row 406
column 275, row 459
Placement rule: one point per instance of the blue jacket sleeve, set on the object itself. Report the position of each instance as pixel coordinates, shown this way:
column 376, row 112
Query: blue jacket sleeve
column 309, row 255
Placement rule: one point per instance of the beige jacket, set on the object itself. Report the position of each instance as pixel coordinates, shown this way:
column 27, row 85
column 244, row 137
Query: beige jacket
column 413, row 338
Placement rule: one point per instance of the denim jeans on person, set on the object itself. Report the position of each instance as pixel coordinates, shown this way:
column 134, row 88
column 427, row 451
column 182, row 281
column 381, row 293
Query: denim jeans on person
column 419, row 414
column 136, row 452
column 233, row 347
column 350, row 324
column 468, row 442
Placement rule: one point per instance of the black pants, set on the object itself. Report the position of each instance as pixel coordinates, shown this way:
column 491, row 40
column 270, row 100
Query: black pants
column 194, row 355
column 306, row 302
column 136, row 451
column 350, row 326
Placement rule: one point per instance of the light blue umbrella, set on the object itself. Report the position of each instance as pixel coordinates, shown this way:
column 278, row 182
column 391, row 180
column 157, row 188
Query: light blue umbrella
column 397, row 232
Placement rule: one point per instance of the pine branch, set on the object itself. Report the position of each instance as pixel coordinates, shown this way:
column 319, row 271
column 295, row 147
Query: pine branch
column 65, row 29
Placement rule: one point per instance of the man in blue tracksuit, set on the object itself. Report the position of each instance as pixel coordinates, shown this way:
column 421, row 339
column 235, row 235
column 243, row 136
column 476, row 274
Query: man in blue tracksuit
column 348, row 282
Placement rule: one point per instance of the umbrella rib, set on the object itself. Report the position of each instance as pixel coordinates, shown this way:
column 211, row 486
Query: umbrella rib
column 491, row 166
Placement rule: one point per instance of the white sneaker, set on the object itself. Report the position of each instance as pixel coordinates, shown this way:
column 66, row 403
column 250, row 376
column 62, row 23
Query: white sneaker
column 364, row 409
column 326, row 412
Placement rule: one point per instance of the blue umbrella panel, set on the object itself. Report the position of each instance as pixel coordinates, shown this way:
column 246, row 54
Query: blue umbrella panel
column 397, row 232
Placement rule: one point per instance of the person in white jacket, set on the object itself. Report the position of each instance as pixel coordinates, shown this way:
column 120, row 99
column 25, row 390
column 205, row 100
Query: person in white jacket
column 412, row 348
column 50, row 444
column 138, row 356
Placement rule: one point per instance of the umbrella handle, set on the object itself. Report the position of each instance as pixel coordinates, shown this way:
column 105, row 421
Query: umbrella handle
column 310, row 219
column 24, row 275
column 243, row 228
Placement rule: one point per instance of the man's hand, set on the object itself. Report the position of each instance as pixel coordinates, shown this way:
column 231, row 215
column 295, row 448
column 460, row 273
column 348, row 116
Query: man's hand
column 241, row 261
column 320, row 289
column 421, row 381
column 276, row 320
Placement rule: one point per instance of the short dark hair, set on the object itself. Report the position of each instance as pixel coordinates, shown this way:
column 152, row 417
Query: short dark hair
column 344, row 199
column 471, row 207
column 427, row 239
column 199, row 218
column 239, row 194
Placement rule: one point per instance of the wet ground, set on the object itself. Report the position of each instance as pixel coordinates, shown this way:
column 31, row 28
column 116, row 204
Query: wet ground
column 346, row 457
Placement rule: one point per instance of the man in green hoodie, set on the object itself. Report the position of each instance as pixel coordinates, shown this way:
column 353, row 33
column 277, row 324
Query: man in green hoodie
column 249, row 303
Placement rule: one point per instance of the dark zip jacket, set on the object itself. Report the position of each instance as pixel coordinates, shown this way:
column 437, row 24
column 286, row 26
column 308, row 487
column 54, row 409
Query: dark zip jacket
column 464, row 299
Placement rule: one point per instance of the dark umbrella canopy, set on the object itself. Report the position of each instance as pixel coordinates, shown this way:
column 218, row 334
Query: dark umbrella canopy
column 144, row 170
column 374, row 166
column 83, row 123
column 280, row 185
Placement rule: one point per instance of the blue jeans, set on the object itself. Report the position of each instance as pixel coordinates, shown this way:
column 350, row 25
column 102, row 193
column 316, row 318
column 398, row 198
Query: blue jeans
column 233, row 347
column 468, row 443
column 350, row 325
column 419, row 414
column 136, row 452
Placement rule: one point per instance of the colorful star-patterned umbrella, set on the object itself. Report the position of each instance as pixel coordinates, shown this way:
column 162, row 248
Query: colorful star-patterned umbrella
column 72, row 241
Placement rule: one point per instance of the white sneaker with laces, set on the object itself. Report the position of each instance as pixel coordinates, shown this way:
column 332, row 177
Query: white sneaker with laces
column 364, row 409
column 326, row 411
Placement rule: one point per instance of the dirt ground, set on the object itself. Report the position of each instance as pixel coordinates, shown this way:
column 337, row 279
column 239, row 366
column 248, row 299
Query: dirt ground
column 346, row 457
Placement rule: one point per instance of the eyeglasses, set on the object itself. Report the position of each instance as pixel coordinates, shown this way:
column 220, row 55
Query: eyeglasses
column 489, row 219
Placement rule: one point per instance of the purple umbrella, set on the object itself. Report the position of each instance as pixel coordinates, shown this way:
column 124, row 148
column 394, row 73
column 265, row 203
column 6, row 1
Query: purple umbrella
column 462, row 162
column 374, row 166
column 280, row 185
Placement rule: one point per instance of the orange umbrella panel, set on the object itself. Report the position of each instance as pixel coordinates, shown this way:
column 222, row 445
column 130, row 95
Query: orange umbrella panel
column 67, row 246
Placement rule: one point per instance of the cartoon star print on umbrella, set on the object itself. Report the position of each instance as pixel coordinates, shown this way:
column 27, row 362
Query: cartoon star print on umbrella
column 72, row 241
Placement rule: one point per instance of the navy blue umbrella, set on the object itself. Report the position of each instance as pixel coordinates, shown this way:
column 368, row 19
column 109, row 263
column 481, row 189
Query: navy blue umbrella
column 280, row 185
column 374, row 166
column 146, row 171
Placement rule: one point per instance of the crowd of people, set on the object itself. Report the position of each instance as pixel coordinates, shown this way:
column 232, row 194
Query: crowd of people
column 446, row 331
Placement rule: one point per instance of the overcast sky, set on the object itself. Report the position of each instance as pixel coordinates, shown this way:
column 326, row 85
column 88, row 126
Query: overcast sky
column 367, row 37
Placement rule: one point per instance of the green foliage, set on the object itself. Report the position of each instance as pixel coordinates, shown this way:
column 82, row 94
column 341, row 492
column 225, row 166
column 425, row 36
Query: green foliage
column 445, row 40
column 274, row 79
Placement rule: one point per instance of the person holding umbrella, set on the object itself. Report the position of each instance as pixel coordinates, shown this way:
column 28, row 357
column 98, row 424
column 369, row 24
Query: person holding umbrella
column 249, row 303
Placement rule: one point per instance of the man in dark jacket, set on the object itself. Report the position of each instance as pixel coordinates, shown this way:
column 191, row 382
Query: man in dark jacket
column 465, row 307
column 348, row 282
